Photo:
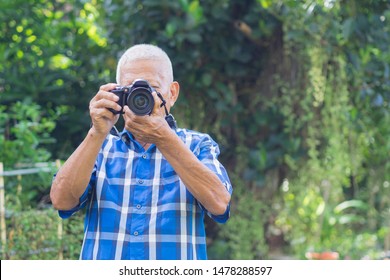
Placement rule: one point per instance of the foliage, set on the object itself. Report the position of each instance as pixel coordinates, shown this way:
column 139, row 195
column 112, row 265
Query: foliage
column 32, row 233
column 51, row 54
column 295, row 112
column 338, row 166
column 40, row 67
column 295, row 92
column 23, row 131
column 243, row 236
column 41, row 234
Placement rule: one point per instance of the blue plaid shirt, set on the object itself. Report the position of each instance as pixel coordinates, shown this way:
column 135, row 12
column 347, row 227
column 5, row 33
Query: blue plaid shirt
column 138, row 207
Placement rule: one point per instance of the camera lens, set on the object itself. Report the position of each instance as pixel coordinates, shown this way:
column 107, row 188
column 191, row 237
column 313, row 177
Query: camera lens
column 141, row 101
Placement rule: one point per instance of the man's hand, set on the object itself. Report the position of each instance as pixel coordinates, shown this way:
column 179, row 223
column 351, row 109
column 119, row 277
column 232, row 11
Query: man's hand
column 73, row 177
column 103, row 119
column 149, row 128
column 204, row 185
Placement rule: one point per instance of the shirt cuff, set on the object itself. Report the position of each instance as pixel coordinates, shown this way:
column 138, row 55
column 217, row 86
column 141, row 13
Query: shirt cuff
column 221, row 218
column 64, row 214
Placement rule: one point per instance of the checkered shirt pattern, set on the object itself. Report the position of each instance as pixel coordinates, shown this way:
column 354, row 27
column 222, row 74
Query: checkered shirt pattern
column 137, row 207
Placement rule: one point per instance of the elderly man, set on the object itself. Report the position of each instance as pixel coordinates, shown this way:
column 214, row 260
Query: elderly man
column 146, row 189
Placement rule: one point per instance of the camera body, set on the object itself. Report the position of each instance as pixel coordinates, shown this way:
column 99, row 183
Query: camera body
column 138, row 96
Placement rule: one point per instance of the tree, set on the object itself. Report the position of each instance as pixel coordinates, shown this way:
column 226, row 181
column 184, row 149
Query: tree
column 295, row 92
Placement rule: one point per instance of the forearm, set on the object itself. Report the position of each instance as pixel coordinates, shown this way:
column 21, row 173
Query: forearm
column 73, row 177
column 203, row 184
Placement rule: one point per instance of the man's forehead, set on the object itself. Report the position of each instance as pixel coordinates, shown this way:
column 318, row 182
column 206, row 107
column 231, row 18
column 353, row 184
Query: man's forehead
column 149, row 70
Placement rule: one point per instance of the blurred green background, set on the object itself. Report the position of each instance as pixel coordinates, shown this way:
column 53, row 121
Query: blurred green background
column 295, row 92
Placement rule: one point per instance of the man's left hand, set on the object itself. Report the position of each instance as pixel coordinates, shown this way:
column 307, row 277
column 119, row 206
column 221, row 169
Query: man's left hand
column 149, row 128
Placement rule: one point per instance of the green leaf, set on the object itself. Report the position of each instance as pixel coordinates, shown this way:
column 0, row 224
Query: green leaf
column 348, row 28
column 351, row 204
column 350, row 218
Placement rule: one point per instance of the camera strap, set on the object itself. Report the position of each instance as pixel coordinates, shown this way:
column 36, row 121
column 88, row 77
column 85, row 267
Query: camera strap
column 168, row 117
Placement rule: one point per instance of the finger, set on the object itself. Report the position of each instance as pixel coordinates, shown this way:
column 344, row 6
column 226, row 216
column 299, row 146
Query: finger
column 105, row 103
column 103, row 113
column 127, row 111
column 105, row 92
column 128, row 114
column 130, row 119
column 108, row 87
column 106, row 95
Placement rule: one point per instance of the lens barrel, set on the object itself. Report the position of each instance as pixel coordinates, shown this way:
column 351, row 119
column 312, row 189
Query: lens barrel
column 140, row 101
column 137, row 96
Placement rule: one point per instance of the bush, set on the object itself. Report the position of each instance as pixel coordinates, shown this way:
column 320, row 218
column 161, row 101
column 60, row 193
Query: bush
column 243, row 236
column 42, row 235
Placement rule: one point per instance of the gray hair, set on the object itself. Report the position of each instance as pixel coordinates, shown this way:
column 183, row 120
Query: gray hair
column 148, row 52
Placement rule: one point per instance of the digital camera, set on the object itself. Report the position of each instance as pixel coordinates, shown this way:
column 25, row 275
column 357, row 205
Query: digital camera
column 138, row 96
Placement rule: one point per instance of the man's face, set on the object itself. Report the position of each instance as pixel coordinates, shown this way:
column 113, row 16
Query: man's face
column 151, row 71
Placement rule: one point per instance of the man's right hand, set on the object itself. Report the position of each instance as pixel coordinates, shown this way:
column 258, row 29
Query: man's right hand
column 102, row 118
column 72, row 179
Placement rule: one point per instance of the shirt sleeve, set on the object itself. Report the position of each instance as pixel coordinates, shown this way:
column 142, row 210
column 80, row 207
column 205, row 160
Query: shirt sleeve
column 208, row 155
column 83, row 200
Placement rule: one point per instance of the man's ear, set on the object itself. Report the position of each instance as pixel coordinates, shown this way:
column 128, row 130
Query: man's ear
column 174, row 93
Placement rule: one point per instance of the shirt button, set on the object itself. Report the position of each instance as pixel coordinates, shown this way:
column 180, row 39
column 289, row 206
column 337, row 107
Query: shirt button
column 136, row 233
column 138, row 206
column 141, row 181
column 144, row 156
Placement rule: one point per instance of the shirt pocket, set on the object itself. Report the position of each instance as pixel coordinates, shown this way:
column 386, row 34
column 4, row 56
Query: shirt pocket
column 168, row 175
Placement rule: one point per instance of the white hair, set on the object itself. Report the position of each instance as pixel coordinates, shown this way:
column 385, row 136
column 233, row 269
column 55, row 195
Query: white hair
column 148, row 52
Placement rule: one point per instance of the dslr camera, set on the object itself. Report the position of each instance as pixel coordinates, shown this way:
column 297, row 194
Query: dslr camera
column 138, row 96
